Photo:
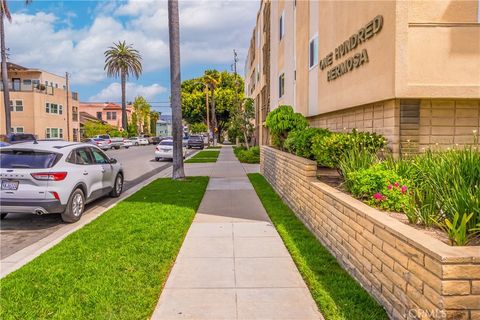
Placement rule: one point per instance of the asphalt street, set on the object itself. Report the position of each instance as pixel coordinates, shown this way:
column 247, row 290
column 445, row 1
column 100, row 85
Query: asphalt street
column 18, row 231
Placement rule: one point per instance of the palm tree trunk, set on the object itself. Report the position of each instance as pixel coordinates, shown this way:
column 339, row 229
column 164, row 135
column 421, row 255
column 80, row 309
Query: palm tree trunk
column 177, row 129
column 124, row 101
column 6, row 95
column 214, row 118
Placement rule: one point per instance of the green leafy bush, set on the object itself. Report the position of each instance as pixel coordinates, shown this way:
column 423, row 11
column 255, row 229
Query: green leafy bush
column 245, row 155
column 283, row 120
column 328, row 150
column 354, row 160
column 381, row 188
column 299, row 142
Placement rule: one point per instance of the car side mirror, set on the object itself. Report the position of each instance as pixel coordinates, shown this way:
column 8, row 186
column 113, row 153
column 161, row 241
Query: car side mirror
column 112, row 161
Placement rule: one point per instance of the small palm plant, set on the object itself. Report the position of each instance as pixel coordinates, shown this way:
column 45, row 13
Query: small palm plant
column 122, row 60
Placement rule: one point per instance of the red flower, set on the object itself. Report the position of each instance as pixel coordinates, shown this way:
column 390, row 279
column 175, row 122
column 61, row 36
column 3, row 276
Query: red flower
column 396, row 184
column 404, row 189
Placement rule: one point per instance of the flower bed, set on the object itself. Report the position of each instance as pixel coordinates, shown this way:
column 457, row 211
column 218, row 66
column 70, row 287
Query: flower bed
column 408, row 271
column 435, row 189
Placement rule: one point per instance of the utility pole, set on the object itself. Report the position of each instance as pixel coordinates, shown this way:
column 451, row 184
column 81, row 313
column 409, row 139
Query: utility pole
column 67, row 87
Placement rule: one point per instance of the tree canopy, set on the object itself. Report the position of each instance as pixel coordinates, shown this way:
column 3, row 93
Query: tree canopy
column 224, row 86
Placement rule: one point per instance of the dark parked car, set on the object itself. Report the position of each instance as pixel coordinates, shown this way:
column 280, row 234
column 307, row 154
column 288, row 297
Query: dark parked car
column 195, row 141
column 13, row 138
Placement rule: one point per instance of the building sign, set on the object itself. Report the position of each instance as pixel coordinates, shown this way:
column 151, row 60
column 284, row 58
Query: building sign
column 363, row 35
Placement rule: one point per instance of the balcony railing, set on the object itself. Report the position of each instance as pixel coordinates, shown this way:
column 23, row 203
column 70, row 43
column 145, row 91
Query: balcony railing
column 20, row 87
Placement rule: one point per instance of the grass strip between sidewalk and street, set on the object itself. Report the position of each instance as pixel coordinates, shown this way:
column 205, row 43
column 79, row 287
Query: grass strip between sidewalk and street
column 114, row 267
column 204, row 156
column 214, row 147
column 336, row 293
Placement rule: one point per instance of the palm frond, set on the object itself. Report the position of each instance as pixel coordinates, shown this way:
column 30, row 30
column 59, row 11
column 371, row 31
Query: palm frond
column 122, row 58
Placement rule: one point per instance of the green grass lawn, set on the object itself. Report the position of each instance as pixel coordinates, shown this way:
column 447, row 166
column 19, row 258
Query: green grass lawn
column 114, row 267
column 336, row 293
column 204, row 156
column 212, row 147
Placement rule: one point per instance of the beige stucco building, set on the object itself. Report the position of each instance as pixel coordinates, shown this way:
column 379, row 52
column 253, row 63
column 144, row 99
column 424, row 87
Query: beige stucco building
column 41, row 104
column 409, row 70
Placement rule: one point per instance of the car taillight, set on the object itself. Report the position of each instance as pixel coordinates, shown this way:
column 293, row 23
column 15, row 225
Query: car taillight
column 109, row 141
column 98, row 142
column 49, row 176
column 157, row 148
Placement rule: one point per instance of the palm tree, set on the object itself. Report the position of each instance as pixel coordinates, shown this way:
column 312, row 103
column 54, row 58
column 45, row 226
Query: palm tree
column 175, row 84
column 121, row 60
column 5, row 13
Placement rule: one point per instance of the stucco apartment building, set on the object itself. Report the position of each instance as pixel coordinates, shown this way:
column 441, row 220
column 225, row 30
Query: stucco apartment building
column 108, row 112
column 409, row 70
column 40, row 103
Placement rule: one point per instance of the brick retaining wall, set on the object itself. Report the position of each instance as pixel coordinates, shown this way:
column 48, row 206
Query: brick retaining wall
column 407, row 271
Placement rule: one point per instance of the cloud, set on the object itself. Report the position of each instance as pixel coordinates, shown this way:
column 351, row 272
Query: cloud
column 210, row 30
column 113, row 92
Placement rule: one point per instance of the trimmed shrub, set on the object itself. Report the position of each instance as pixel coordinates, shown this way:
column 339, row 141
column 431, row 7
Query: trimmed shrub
column 328, row 150
column 283, row 120
column 244, row 155
column 300, row 142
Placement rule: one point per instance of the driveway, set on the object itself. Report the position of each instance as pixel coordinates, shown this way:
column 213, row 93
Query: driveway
column 18, row 231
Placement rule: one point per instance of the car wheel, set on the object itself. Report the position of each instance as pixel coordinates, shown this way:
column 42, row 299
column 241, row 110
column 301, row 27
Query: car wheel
column 75, row 207
column 127, row 147
column 3, row 215
column 136, row 143
column 157, row 159
column 117, row 187
column 116, row 148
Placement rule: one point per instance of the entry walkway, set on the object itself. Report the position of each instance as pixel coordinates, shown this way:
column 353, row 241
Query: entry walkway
column 233, row 264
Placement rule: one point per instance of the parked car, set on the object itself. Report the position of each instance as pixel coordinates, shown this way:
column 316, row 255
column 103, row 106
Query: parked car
column 127, row 143
column 148, row 137
column 56, row 177
column 156, row 140
column 12, row 138
column 195, row 141
column 139, row 141
column 164, row 150
column 114, row 142
column 99, row 142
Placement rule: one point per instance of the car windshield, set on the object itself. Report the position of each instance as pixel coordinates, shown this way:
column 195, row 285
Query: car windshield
column 104, row 136
column 166, row 143
column 98, row 139
column 195, row 138
column 28, row 159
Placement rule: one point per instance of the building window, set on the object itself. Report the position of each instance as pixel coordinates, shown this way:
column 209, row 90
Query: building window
column 99, row 115
column 75, row 134
column 54, row 133
column 281, row 85
column 16, row 105
column 313, row 52
column 27, row 82
column 53, row 108
column 75, row 114
column 282, row 25
column 17, row 130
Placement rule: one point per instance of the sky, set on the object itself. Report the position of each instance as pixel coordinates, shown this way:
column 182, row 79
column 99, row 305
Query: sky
column 72, row 36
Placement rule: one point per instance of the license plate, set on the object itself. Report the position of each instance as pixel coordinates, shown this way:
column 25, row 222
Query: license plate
column 9, row 185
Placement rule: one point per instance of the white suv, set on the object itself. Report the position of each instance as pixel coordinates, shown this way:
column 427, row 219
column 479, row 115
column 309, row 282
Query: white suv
column 56, row 177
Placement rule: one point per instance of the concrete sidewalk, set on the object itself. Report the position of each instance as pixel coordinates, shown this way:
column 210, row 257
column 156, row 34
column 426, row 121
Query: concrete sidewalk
column 233, row 264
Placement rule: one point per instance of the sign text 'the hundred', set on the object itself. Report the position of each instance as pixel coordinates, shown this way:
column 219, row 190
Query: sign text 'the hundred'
column 365, row 33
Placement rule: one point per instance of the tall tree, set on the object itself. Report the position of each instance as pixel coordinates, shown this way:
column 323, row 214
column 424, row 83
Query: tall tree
column 5, row 13
column 141, row 108
column 122, row 60
column 154, row 116
column 175, row 85
column 209, row 78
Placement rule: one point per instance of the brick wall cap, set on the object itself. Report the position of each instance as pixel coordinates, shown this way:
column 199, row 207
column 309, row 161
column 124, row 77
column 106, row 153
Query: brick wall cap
column 290, row 156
